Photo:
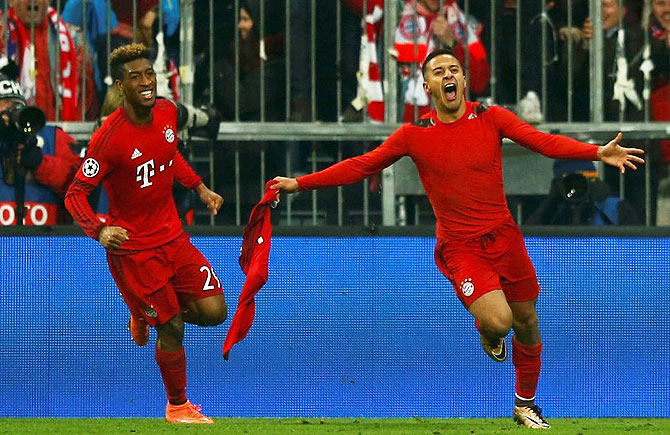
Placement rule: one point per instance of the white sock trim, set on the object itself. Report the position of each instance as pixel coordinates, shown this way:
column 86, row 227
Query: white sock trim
column 523, row 398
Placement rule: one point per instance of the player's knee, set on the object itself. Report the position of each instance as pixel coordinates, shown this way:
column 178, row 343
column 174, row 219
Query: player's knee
column 526, row 321
column 219, row 316
column 214, row 316
column 171, row 331
column 497, row 324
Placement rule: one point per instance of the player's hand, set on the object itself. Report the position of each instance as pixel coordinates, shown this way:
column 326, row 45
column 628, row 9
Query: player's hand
column 211, row 199
column 285, row 184
column 615, row 155
column 112, row 237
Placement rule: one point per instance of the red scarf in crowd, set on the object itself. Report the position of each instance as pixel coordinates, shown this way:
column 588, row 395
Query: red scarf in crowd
column 372, row 23
column 67, row 88
column 254, row 264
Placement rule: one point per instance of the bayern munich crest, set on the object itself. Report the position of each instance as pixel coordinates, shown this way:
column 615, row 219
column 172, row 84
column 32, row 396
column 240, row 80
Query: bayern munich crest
column 90, row 168
column 169, row 133
column 467, row 287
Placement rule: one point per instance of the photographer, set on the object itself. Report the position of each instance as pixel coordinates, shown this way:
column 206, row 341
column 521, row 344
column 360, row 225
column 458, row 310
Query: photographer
column 578, row 197
column 37, row 166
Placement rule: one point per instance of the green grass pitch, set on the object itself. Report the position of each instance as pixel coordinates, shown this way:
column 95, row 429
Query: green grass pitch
column 268, row 426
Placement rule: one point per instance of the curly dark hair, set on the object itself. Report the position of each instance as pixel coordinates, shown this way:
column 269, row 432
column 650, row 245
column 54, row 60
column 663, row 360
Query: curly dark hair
column 123, row 55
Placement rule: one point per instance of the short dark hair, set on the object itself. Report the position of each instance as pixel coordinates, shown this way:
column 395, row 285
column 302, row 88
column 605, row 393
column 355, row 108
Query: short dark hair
column 436, row 53
column 124, row 54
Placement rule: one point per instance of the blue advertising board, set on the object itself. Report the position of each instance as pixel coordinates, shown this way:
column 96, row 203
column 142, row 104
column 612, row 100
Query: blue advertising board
column 345, row 327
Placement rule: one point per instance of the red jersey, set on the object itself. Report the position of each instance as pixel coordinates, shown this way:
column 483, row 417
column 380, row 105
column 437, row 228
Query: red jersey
column 137, row 165
column 459, row 163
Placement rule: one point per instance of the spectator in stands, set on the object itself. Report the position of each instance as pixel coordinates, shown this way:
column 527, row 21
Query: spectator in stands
column 141, row 26
column 51, row 73
column 622, row 78
column 45, row 162
column 125, row 32
column 659, row 39
column 252, row 52
column 622, row 91
column 94, row 20
column 432, row 29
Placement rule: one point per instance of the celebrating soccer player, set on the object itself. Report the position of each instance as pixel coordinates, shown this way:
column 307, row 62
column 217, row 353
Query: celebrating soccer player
column 457, row 149
column 164, row 279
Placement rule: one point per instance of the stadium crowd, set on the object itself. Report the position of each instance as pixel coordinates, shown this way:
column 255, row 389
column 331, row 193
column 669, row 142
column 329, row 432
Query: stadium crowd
column 59, row 57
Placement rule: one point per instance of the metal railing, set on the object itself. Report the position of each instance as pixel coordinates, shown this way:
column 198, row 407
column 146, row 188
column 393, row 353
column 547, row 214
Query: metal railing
column 324, row 137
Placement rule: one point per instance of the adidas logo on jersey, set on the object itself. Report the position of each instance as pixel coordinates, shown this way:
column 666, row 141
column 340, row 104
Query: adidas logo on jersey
column 472, row 116
column 136, row 154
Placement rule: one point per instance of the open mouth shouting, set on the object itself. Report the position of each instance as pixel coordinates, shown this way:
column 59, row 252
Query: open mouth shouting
column 450, row 91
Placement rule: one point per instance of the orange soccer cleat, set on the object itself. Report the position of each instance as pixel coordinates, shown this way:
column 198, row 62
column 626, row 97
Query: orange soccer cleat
column 139, row 330
column 186, row 413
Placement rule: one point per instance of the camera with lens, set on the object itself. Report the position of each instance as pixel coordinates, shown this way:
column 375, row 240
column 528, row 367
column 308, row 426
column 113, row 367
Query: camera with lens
column 19, row 124
column 578, row 197
column 27, row 120
column 575, row 188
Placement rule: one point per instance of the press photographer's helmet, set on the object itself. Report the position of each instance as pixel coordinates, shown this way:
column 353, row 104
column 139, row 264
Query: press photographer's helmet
column 11, row 89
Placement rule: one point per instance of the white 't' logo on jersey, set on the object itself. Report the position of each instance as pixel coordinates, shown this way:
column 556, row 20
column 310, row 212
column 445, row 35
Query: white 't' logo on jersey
column 144, row 172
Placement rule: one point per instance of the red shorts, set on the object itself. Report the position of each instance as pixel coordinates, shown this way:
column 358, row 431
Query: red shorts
column 157, row 282
column 497, row 260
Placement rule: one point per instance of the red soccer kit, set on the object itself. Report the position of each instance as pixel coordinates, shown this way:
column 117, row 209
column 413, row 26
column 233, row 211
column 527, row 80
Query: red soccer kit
column 137, row 165
column 460, row 166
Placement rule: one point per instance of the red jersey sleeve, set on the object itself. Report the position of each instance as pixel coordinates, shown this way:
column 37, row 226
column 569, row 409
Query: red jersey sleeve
column 92, row 171
column 360, row 167
column 76, row 202
column 184, row 173
column 550, row 145
column 56, row 172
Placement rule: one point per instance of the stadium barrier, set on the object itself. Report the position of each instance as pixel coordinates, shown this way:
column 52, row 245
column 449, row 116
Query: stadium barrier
column 349, row 324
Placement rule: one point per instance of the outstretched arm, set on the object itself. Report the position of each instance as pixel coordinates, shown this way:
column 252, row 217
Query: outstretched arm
column 614, row 154
column 561, row 147
column 350, row 170
column 285, row 184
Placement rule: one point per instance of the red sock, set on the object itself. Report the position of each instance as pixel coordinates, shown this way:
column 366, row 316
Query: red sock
column 173, row 371
column 527, row 362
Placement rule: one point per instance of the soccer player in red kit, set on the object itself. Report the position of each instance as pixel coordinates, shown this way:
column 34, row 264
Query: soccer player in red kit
column 480, row 249
column 164, row 279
